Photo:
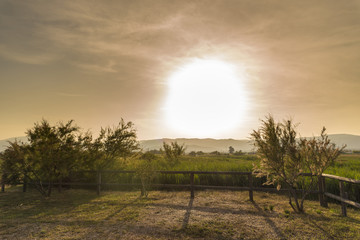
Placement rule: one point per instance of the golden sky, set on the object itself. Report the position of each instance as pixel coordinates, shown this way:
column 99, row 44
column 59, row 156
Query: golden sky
column 99, row 61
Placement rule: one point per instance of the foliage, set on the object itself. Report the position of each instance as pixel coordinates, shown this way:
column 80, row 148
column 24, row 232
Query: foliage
column 113, row 144
column 192, row 153
column 284, row 158
column 13, row 163
column 173, row 152
column 52, row 153
column 55, row 151
column 239, row 153
column 146, row 170
column 231, row 150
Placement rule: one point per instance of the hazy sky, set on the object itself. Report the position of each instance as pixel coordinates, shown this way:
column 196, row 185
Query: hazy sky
column 99, row 61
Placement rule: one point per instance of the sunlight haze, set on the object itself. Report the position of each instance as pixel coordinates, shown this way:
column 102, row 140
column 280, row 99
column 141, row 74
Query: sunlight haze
column 205, row 99
column 181, row 68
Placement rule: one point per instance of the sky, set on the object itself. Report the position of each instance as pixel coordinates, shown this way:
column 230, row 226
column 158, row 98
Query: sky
column 99, row 61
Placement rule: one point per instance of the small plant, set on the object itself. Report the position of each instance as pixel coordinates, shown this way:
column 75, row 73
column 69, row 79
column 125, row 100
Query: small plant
column 271, row 207
column 145, row 170
column 287, row 213
column 173, row 152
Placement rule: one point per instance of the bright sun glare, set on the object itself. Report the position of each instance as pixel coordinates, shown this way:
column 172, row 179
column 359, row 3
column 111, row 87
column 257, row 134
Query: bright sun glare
column 206, row 99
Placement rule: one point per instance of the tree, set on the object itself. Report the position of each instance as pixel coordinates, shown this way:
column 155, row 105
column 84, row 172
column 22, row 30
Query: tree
column 173, row 151
column 192, row 153
column 238, row 153
column 54, row 151
column 52, row 154
column 231, row 150
column 146, row 170
column 113, row 143
column 215, row 153
column 13, row 163
column 284, row 158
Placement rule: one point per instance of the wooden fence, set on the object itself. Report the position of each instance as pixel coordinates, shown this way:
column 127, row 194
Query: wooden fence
column 343, row 198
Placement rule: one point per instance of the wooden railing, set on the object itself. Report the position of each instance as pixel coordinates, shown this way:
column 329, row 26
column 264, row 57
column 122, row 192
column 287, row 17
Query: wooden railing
column 343, row 198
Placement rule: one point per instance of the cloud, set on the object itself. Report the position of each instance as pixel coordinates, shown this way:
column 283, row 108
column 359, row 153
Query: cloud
column 64, row 94
column 90, row 68
column 296, row 54
column 27, row 57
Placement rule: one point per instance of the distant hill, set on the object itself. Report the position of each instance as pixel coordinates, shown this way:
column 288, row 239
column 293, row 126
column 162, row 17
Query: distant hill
column 221, row 145
column 205, row 145
column 352, row 141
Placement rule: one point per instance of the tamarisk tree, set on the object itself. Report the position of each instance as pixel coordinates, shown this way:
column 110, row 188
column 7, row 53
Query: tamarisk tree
column 285, row 157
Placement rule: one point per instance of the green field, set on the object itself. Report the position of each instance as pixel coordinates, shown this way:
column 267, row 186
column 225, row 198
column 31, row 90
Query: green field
column 347, row 165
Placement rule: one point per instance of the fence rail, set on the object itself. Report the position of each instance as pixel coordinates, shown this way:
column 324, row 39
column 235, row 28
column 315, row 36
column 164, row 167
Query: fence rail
column 343, row 198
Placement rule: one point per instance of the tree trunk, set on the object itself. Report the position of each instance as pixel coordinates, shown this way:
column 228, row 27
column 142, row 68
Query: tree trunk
column 49, row 189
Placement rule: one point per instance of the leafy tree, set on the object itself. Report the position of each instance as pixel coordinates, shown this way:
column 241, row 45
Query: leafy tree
column 231, row 150
column 118, row 142
column 52, row 153
column 173, row 152
column 285, row 158
column 13, row 163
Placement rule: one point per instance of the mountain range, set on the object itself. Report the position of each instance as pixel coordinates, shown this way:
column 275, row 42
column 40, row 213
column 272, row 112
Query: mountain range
column 221, row 145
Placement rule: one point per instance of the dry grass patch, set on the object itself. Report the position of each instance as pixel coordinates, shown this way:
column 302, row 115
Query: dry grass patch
column 80, row 214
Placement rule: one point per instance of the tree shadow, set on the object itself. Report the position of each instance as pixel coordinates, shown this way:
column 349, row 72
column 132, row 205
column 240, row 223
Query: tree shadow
column 31, row 203
column 326, row 233
column 187, row 214
column 269, row 221
column 125, row 205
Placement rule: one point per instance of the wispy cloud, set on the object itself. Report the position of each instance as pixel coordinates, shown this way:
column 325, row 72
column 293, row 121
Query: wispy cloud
column 27, row 57
column 64, row 94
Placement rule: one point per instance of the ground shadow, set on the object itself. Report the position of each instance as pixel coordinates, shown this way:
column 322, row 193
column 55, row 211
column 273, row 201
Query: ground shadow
column 269, row 221
column 187, row 214
column 326, row 233
column 125, row 205
column 31, row 203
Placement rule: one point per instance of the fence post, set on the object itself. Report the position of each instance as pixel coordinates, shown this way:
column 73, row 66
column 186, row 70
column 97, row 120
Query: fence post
column 343, row 196
column 98, row 182
column 250, row 187
column 322, row 197
column 192, row 195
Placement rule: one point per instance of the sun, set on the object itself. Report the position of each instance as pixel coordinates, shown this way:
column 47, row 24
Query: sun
column 206, row 98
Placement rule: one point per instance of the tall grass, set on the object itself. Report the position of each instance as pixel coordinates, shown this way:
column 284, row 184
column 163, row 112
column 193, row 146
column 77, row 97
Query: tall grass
column 345, row 166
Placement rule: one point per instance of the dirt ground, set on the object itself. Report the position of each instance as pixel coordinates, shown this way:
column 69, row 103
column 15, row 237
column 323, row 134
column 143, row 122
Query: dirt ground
column 174, row 215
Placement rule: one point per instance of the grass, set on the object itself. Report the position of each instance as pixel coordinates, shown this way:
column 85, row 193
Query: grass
column 347, row 165
column 81, row 214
